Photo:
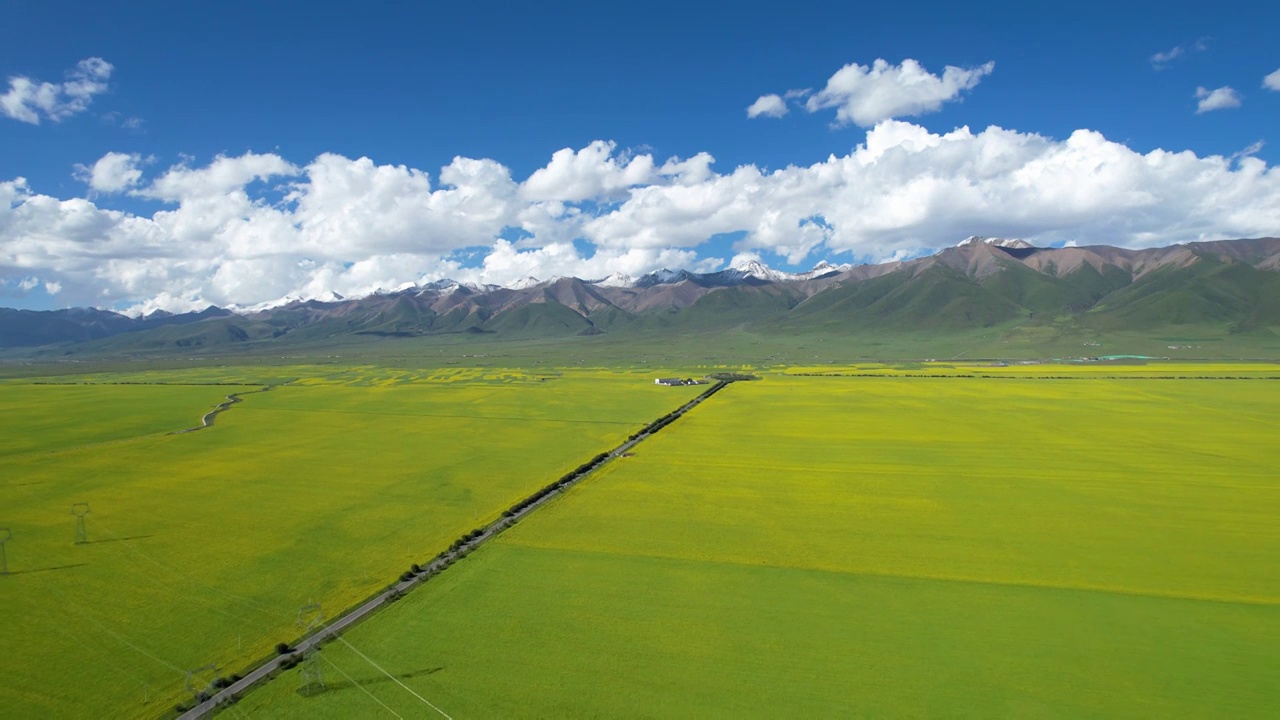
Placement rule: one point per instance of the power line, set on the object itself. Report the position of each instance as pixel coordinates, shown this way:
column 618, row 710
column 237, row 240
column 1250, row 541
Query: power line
column 274, row 613
column 393, row 678
column 363, row 688
column 311, row 617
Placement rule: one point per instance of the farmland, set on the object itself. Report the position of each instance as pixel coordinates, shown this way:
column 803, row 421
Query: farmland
column 203, row 545
column 884, row 546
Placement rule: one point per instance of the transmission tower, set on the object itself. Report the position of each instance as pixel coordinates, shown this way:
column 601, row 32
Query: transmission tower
column 312, row 682
column 200, row 681
column 310, row 617
column 80, row 510
column 4, row 559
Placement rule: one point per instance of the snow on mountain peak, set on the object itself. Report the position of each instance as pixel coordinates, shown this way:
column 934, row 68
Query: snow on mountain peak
column 822, row 269
column 751, row 267
column 618, row 279
column 524, row 283
column 748, row 264
column 998, row 242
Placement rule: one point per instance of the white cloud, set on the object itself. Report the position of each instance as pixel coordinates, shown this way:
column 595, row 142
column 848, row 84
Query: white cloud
column 768, row 106
column 113, row 172
column 907, row 189
column 1249, row 150
column 28, row 100
column 120, row 120
column 1219, row 99
column 347, row 208
column 256, row 228
column 221, row 177
column 1272, row 81
column 1161, row 60
column 867, row 95
column 592, row 171
column 505, row 263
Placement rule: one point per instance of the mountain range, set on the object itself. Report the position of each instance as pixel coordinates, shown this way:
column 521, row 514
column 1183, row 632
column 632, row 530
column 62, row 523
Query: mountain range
column 1228, row 287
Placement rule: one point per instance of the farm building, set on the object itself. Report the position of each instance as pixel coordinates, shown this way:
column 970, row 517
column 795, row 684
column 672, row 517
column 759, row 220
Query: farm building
column 675, row 381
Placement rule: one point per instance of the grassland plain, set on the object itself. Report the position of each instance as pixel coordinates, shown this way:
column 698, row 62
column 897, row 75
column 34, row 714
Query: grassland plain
column 203, row 545
column 846, row 547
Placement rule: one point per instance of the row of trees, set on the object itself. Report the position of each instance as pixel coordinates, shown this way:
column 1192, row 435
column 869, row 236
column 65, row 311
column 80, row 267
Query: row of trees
column 564, row 480
column 670, row 417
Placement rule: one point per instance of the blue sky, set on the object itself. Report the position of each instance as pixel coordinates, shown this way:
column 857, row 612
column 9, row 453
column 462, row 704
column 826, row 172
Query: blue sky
column 418, row 84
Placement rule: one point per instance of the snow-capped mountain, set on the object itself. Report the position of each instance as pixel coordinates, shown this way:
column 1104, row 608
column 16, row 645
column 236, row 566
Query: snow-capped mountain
column 523, row 283
column 760, row 271
column 448, row 285
column 744, row 271
column 998, row 242
column 662, row 277
column 823, row 269
column 618, row 279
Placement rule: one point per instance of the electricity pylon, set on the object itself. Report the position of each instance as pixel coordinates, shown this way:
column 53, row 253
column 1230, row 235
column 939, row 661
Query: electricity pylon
column 199, row 682
column 312, row 681
column 80, row 510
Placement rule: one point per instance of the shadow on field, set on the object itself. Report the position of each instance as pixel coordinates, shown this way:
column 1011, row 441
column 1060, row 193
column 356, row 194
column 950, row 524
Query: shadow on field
column 313, row 690
column 118, row 539
column 47, row 569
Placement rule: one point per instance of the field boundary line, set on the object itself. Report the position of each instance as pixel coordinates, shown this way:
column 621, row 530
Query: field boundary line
column 460, row 549
column 1245, row 601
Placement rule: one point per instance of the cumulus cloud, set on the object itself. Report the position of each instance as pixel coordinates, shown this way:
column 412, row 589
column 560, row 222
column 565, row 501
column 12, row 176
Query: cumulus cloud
column 767, row 106
column 1222, row 98
column 29, row 101
column 1272, row 81
column 590, row 172
column 113, row 172
column 256, row 228
column 867, row 95
column 505, row 263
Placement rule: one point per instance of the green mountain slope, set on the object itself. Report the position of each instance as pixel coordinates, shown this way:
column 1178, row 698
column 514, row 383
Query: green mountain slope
column 1056, row 300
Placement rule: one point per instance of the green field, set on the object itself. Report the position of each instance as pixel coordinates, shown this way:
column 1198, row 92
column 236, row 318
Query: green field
column 203, row 545
column 868, row 547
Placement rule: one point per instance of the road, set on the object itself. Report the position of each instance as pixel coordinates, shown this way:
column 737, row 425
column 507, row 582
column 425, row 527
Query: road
column 351, row 617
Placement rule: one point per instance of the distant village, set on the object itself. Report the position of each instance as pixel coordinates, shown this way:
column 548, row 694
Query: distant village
column 671, row 382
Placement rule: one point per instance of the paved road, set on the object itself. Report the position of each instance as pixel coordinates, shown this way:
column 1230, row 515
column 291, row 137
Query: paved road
column 262, row 672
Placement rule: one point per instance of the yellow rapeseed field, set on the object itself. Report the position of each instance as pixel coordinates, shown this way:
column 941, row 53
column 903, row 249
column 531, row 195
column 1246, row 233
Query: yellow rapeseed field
column 202, row 546
column 885, row 546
